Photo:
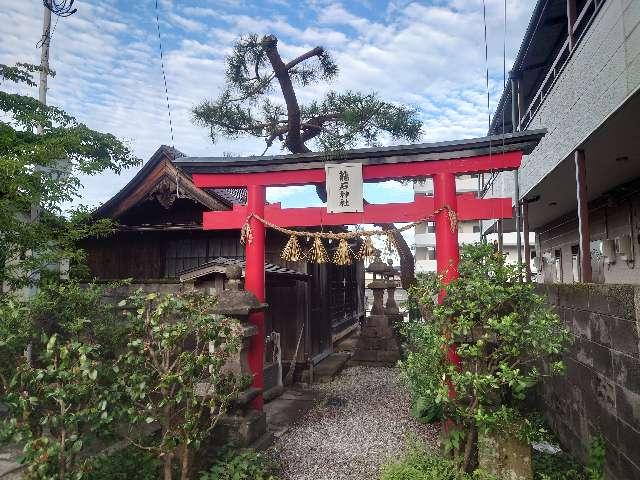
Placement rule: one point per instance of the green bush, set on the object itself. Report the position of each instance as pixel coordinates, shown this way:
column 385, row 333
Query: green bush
column 422, row 369
column 501, row 331
column 418, row 463
column 127, row 464
column 562, row 466
column 246, row 465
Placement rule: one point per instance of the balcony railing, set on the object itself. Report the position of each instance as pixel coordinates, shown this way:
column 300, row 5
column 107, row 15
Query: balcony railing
column 580, row 27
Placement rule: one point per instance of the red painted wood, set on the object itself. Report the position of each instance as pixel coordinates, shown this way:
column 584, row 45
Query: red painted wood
column 447, row 249
column 469, row 208
column 372, row 173
column 254, row 283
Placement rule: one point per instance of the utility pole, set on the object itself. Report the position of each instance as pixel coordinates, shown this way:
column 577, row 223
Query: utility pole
column 44, row 58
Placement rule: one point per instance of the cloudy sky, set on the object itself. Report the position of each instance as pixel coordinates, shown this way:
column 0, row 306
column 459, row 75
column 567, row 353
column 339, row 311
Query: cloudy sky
column 427, row 54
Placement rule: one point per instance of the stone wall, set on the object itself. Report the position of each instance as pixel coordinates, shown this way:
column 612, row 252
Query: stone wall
column 600, row 392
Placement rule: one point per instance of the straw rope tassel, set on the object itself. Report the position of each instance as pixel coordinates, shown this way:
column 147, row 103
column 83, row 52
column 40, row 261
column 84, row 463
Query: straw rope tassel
column 292, row 251
column 317, row 253
column 246, row 235
column 343, row 253
column 367, row 250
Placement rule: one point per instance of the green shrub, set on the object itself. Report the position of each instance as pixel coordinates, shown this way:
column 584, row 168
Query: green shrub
column 501, row 330
column 246, row 465
column 558, row 466
column 127, row 464
column 418, row 463
column 423, row 370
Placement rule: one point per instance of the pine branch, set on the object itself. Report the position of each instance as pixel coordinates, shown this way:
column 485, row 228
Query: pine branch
column 315, row 52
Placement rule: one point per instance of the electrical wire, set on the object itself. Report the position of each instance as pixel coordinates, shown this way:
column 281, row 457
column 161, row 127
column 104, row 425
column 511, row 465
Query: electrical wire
column 166, row 92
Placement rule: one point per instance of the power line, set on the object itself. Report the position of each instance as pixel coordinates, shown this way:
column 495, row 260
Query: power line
column 164, row 77
column 166, row 92
column 486, row 60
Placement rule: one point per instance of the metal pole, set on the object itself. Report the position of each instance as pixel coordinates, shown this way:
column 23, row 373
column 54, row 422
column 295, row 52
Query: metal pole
column 515, row 121
column 516, row 182
column 525, row 234
column 254, row 283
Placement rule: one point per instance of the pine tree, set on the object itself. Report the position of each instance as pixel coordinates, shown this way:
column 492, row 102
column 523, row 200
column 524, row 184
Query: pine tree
column 339, row 121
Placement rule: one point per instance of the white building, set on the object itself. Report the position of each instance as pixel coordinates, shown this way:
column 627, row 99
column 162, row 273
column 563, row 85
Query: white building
column 468, row 231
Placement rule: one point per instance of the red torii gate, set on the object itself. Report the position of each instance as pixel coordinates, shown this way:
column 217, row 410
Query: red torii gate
column 441, row 161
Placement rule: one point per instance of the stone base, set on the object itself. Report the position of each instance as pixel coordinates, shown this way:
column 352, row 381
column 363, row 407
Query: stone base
column 240, row 430
column 377, row 344
column 505, row 457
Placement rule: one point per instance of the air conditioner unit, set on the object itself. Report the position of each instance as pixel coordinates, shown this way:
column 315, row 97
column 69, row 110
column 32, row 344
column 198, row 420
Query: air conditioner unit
column 609, row 251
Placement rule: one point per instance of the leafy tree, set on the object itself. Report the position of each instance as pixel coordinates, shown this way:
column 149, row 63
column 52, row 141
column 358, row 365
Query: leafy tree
column 42, row 171
column 58, row 400
column 56, row 406
column 173, row 373
column 333, row 123
column 502, row 330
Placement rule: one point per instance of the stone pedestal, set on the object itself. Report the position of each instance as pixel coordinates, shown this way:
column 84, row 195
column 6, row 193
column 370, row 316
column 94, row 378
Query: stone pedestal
column 242, row 426
column 505, row 456
column 377, row 344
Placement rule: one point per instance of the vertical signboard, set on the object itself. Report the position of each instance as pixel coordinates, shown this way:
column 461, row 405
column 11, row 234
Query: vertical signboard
column 344, row 187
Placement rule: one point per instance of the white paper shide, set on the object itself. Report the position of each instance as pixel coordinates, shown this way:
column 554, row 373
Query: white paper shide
column 344, row 187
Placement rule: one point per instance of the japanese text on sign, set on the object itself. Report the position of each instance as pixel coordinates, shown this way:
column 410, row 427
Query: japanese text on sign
column 344, row 187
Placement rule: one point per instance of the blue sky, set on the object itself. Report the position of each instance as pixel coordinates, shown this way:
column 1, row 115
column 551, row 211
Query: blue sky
column 429, row 55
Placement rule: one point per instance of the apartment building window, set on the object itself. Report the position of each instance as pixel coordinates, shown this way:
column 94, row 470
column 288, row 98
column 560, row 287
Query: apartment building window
column 476, row 229
column 558, row 265
column 431, row 227
column 431, row 253
column 575, row 263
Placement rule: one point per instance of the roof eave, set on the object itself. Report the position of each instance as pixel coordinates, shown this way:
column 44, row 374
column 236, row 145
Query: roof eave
column 519, row 141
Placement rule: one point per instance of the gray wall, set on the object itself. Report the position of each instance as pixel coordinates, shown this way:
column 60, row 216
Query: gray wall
column 600, row 393
column 611, row 219
column 603, row 71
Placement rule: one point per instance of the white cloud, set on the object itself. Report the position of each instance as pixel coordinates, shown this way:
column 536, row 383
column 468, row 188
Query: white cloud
column 109, row 76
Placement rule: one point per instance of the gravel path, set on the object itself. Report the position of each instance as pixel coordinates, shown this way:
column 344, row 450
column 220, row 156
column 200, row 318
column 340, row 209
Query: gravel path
column 361, row 419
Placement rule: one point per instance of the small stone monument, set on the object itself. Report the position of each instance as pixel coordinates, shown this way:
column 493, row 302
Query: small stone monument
column 242, row 425
column 377, row 343
column 378, row 268
column 391, row 308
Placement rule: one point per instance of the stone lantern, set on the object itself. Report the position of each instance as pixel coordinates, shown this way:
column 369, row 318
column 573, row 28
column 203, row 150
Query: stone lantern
column 391, row 308
column 237, row 303
column 242, row 425
column 377, row 344
column 378, row 268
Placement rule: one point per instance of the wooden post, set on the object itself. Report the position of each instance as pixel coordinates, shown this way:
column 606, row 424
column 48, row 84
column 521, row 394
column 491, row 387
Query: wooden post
column 525, row 233
column 583, row 217
column 571, row 21
column 254, row 283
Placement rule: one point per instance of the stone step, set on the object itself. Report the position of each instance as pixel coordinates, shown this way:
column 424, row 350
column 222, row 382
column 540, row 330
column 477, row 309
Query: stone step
column 327, row 369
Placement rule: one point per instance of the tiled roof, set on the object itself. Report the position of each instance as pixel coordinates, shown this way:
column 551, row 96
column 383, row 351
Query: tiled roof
column 219, row 264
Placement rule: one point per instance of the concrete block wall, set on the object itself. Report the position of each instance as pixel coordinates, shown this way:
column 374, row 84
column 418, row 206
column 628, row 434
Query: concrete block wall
column 603, row 71
column 600, row 392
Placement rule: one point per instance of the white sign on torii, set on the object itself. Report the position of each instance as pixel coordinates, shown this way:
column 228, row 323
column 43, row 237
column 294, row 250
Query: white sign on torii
column 344, row 188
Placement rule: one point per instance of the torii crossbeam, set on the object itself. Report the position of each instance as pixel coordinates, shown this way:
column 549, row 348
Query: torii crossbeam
column 441, row 161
